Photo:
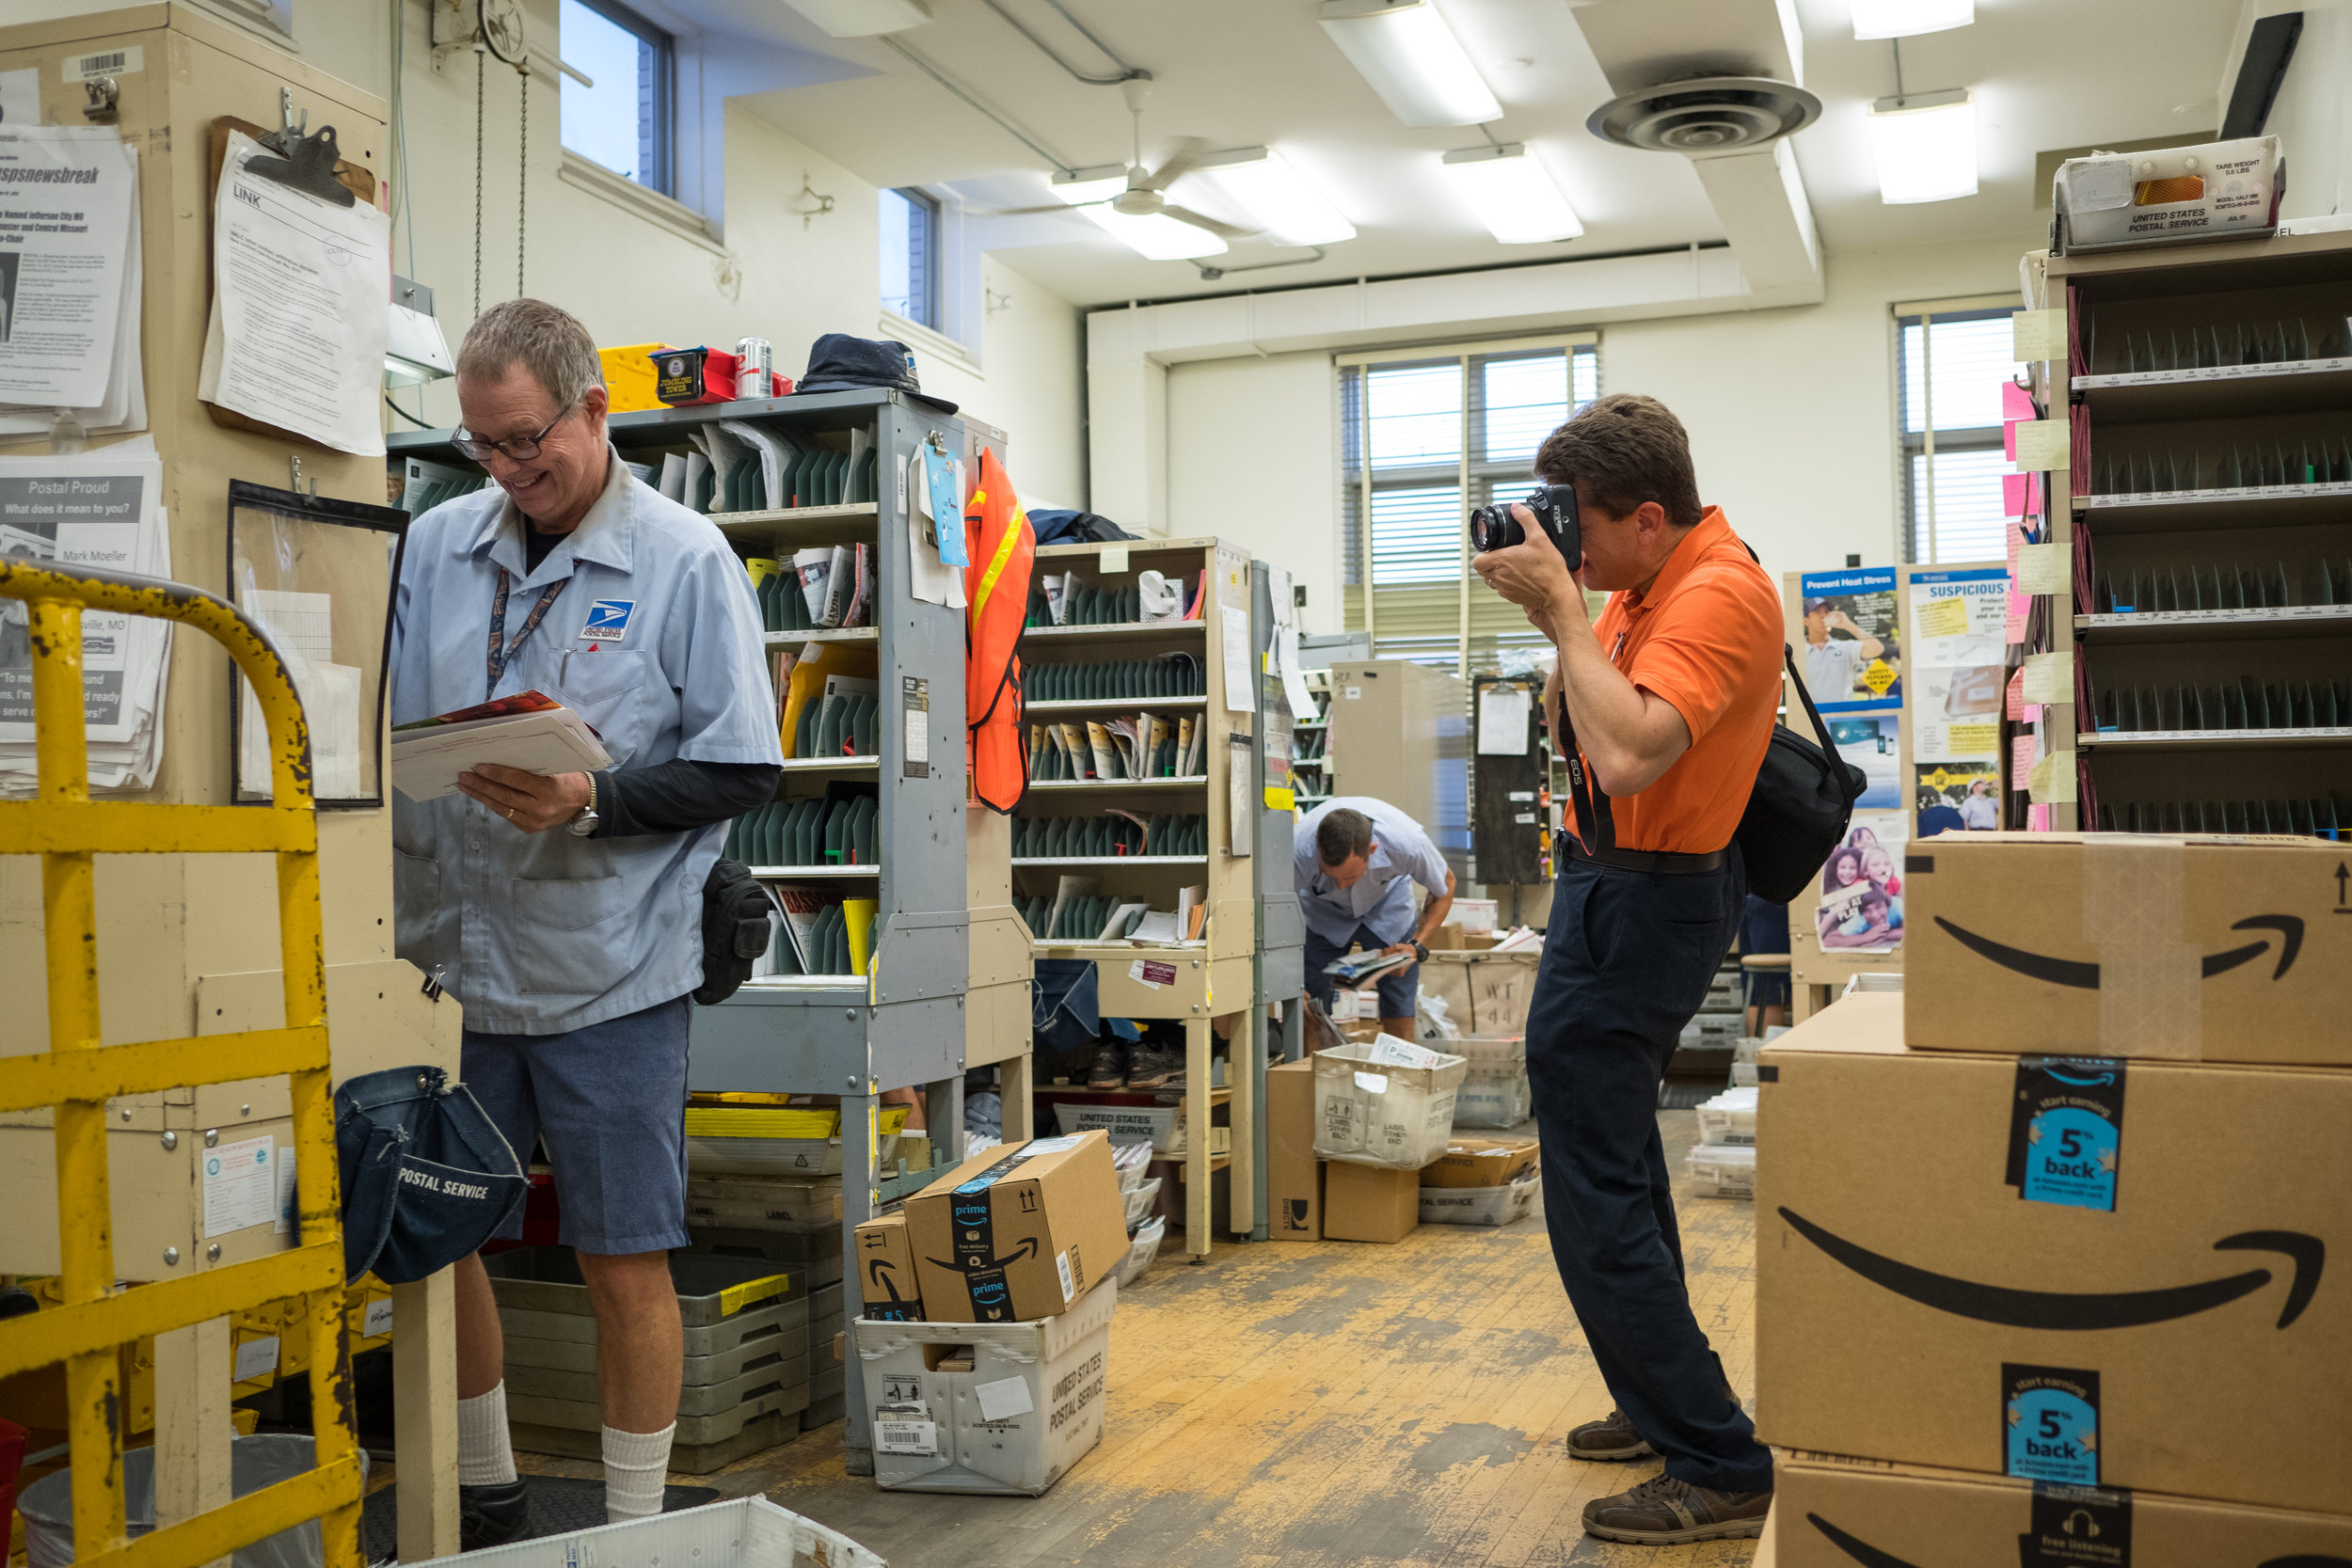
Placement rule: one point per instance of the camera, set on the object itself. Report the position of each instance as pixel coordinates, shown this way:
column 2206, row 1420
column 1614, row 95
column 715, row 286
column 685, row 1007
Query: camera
column 1493, row 528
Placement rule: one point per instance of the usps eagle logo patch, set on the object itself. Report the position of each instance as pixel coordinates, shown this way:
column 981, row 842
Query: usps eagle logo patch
column 608, row 620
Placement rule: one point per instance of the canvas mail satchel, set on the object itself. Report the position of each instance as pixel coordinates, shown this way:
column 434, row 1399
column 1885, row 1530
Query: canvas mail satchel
column 427, row 1175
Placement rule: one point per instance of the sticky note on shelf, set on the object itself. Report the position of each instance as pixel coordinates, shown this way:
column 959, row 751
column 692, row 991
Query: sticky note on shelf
column 2041, row 444
column 2036, row 334
column 2044, row 569
column 2016, row 402
column 2048, row 677
column 2021, row 763
column 2052, row 781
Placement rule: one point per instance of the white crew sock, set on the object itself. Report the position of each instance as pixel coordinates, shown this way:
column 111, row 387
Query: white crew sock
column 635, row 1465
column 485, row 1457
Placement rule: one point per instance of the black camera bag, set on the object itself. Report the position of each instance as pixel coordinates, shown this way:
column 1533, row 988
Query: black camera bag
column 1800, row 808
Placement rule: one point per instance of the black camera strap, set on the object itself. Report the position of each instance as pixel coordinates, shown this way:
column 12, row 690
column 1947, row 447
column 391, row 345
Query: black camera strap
column 1596, row 826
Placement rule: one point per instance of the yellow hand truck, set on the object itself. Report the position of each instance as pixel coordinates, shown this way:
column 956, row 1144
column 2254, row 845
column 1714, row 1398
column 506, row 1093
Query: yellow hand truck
column 77, row 1075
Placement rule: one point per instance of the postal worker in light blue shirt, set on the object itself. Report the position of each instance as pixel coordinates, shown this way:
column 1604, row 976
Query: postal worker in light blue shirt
column 564, row 912
column 1354, row 859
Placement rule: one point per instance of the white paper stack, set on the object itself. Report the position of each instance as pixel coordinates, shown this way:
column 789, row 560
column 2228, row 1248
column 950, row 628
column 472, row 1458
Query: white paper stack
column 426, row 762
column 80, row 283
column 99, row 509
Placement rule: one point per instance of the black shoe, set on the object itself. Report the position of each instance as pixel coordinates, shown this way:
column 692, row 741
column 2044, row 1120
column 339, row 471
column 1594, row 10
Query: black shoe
column 492, row 1515
column 1155, row 1066
column 1110, row 1067
column 1611, row 1439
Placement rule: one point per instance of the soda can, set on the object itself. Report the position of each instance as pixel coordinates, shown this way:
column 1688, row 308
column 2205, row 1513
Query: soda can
column 754, row 359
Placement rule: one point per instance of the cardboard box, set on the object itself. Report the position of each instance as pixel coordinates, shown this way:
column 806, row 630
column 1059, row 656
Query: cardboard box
column 987, row 1409
column 1389, row 1103
column 885, row 1271
column 1293, row 1176
column 1012, row 1235
column 1831, row 1513
column 2063, row 1271
column 1369, row 1203
column 2187, row 948
column 1480, row 1162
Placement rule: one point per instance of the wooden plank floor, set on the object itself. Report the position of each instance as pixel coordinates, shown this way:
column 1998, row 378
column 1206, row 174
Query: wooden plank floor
column 1317, row 1405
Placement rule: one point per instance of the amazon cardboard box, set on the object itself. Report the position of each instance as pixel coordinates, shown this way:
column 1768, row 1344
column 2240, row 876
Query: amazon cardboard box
column 1369, row 1203
column 885, row 1271
column 1294, row 1177
column 2065, row 1270
column 2187, row 948
column 1014, row 1235
column 1832, row 1513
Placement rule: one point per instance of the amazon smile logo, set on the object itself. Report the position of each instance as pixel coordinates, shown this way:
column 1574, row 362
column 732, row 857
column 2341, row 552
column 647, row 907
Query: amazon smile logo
column 2054, row 1309
column 1871, row 1557
column 2085, row 977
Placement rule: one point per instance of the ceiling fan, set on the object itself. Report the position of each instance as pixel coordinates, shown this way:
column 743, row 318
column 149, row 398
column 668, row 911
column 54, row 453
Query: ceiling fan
column 1145, row 195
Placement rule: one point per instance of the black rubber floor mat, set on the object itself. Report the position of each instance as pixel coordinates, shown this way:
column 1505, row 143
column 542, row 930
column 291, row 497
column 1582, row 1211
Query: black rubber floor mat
column 559, row 1505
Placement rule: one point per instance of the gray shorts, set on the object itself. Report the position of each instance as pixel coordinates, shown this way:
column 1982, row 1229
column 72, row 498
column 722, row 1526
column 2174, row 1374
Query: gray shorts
column 610, row 1103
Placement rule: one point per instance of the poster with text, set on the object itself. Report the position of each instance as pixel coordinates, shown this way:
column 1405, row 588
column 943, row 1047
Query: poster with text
column 1852, row 655
column 1958, row 631
column 1872, row 742
column 1860, row 905
column 1956, row 796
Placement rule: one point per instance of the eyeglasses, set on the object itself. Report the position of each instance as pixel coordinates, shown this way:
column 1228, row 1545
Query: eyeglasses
column 520, row 448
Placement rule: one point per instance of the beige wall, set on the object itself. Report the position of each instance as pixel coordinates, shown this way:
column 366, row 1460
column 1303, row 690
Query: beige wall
column 1791, row 415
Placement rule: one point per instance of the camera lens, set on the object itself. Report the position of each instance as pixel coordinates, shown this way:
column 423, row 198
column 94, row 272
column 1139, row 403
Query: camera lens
column 1493, row 528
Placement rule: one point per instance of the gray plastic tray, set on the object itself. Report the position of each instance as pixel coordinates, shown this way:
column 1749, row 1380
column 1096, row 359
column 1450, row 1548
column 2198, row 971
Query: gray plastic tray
column 572, row 1355
column 707, row 1399
column 547, row 1279
column 586, row 1416
column 708, row 1340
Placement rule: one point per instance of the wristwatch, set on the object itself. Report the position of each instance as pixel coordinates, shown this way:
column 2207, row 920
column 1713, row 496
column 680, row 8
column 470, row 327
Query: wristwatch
column 1420, row 953
column 585, row 821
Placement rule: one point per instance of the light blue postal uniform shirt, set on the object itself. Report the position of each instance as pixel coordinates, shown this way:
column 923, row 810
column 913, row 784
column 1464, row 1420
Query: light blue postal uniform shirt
column 654, row 640
column 1382, row 899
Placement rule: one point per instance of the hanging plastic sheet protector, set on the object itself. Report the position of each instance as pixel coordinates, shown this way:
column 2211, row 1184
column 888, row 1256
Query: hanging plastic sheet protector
column 65, row 195
column 1959, row 634
column 1233, row 603
column 299, row 319
column 1857, row 661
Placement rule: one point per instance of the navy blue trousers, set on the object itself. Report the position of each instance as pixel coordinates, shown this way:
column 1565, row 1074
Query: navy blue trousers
column 1627, row 961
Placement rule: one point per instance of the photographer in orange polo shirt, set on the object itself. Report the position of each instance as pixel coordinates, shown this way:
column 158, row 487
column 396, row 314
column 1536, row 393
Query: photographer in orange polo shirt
column 1669, row 700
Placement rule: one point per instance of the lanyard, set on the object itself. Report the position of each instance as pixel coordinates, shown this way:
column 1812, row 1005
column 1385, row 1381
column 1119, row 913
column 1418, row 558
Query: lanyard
column 502, row 650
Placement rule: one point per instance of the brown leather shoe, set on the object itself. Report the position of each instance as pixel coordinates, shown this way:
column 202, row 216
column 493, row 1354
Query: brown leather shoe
column 1663, row 1511
column 1611, row 1440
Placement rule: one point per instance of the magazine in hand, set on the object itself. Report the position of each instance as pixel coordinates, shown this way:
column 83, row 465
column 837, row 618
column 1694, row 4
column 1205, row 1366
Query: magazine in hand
column 1355, row 966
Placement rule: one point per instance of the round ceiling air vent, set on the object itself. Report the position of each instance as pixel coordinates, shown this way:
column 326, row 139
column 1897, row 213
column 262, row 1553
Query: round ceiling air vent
column 1711, row 113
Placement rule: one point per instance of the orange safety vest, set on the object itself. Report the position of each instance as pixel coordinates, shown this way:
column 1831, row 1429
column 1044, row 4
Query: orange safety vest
column 1002, row 549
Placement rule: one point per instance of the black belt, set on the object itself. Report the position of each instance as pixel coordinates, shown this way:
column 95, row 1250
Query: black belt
column 1662, row 861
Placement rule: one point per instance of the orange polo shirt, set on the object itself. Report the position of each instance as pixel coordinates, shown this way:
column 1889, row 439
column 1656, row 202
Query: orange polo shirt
column 1705, row 635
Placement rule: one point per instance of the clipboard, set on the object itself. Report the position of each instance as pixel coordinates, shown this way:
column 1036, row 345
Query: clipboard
column 351, row 176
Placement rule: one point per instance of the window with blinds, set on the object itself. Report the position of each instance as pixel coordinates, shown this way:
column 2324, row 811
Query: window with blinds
column 1424, row 437
column 1949, row 371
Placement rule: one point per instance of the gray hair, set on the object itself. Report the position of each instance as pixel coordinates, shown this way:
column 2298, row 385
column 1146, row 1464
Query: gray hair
column 548, row 342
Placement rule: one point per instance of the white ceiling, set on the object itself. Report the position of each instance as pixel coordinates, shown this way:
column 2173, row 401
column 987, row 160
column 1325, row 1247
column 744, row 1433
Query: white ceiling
column 2046, row 73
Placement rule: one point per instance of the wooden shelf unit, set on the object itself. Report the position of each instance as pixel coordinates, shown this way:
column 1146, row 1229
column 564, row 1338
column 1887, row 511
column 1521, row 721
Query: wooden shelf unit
column 2196, row 413
column 1214, row 977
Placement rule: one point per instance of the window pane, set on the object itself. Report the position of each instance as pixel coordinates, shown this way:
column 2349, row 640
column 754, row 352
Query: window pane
column 1416, row 533
column 1972, row 360
column 1417, row 416
column 902, row 264
column 1523, row 400
column 1969, row 510
column 611, row 123
column 1587, row 376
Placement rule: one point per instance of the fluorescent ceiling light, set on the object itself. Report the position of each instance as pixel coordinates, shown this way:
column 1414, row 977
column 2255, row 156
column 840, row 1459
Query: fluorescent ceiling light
column 1274, row 196
column 1412, row 59
column 1925, row 145
column 1156, row 236
column 1513, row 194
column 855, row 19
column 1902, row 19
